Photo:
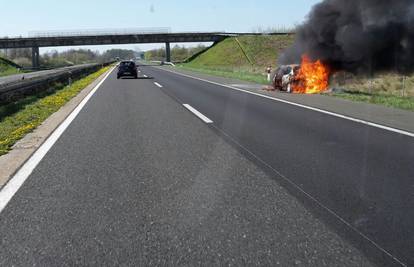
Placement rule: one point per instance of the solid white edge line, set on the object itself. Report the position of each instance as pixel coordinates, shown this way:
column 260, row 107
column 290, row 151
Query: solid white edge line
column 197, row 113
column 157, row 84
column 14, row 184
column 372, row 124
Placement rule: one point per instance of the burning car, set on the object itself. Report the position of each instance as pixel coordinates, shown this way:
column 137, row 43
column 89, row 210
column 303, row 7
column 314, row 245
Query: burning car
column 284, row 77
column 307, row 78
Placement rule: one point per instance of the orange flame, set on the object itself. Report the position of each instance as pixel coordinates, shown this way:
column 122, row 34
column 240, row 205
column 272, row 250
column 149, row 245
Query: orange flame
column 312, row 78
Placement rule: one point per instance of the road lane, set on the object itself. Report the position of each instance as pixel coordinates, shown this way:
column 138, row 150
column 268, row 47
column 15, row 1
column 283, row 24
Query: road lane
column 361, row 173
column 136, row 179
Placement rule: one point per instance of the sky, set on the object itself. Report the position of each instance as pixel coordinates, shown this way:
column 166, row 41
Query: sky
column 20, row 17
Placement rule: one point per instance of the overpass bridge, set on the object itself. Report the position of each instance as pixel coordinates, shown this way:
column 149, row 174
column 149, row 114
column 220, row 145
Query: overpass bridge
column 34, row 42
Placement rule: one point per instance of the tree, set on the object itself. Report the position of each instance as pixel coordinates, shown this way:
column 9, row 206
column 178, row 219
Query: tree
column 178, row 53
column 123, row 54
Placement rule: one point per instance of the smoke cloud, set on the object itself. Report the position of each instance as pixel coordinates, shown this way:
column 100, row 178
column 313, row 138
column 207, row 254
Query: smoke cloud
column 358, row 35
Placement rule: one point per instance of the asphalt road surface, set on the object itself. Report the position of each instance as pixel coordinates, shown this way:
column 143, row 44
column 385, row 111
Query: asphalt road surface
column 228, row 179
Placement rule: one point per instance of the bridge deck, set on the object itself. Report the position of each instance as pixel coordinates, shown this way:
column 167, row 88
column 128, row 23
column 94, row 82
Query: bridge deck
column 28, row 42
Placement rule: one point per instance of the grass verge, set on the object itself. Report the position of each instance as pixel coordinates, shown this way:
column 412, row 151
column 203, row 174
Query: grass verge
column 227, row 73
column 388, row 89
column 406, row 103
column 9, row 71
column 8, row 68
column 22, row 117
column 256, row 52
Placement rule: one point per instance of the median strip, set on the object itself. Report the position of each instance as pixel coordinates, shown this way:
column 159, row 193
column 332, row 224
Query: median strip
column 197, row 113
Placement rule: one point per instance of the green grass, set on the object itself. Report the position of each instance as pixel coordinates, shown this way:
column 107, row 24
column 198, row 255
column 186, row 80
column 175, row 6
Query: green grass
column 387, row 89
column 235, row 74
column 6, row 69
column 22, row 117
column 262, row 50
column 226, row 59
column 406, row 103
column 387, row 83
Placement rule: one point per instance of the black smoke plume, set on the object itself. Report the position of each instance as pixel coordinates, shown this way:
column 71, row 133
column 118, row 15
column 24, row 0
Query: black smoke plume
column 358, row 35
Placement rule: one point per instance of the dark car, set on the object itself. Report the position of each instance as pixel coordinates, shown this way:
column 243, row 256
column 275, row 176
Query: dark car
column 127, row 68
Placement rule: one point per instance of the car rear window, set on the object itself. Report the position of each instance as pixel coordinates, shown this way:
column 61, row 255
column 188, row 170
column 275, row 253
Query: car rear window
column 127, row 64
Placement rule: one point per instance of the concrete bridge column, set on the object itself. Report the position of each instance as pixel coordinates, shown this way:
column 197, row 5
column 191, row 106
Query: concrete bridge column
column 35, row 57
column 167, row 52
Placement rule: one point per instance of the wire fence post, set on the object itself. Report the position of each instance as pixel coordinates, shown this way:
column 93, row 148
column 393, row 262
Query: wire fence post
column 403, row 86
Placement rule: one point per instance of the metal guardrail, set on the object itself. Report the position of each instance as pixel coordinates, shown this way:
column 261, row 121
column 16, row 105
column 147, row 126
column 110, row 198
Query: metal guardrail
column 17, row 89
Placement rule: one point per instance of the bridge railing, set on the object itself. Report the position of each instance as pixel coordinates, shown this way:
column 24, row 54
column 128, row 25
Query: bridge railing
column 98, row 32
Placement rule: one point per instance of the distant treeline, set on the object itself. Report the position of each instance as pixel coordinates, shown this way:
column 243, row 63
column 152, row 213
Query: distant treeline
column 53, row 59
column 178, row 53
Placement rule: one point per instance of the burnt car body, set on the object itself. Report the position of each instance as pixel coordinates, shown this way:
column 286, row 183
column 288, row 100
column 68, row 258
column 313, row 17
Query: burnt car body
column 284, row 76
column 127, row 68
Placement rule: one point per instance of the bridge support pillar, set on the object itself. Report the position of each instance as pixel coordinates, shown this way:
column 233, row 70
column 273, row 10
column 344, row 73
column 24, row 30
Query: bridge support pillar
column 35, row 57
column 167, row 52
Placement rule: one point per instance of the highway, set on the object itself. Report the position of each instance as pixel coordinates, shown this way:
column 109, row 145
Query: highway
column 172, row 170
